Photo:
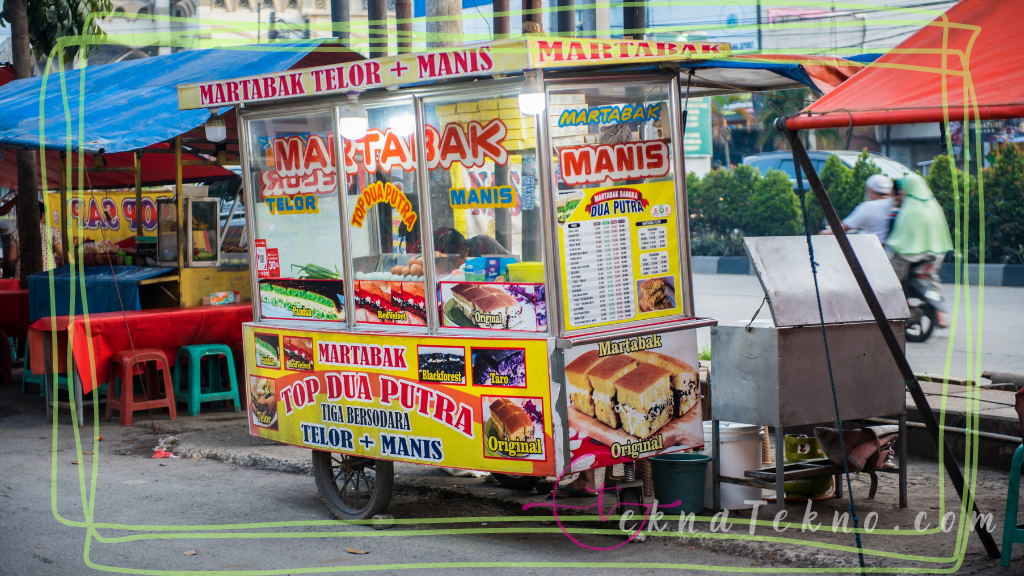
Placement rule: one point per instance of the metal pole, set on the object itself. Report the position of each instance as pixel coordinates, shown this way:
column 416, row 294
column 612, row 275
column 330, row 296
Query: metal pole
column 64, row 228
column 339, row 19
column 138, row 193
column 403, row 16
column 956, row 476
column 377, row 14
column 759, row 45
column 501, row 23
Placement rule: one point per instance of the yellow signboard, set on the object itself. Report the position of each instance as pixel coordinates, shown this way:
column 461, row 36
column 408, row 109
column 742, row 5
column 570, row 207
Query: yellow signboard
column 618, row 254
column 105, row 215
column 454, row 402
column 499, row 57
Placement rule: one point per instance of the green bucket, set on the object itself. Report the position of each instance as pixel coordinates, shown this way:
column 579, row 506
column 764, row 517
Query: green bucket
column 679, row 477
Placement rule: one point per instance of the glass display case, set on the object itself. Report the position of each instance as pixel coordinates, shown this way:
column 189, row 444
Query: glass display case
column 167, row 233
column 202, row 232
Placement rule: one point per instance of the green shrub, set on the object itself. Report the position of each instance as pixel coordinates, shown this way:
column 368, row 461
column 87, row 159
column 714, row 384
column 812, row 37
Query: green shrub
column 1004, row 206
column 715, row 244
column 774, row 209
column 950, row 195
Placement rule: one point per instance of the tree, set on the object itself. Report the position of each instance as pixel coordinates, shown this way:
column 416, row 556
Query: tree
column 36, row 26
column 720, row 132
column 774, row 209
column 845, row 187
column 444, row 23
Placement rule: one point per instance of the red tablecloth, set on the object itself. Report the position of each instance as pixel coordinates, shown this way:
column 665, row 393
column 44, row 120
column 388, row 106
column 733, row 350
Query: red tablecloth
column 10, row 284
column 165, row 328
column 14, row 312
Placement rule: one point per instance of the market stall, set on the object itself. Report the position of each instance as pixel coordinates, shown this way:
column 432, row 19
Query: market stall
column 489, row 274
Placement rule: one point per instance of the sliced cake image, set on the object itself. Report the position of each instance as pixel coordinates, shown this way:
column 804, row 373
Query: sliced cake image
column 643, row 400
column 683, row 379
column 602, row 381
column 579, row 383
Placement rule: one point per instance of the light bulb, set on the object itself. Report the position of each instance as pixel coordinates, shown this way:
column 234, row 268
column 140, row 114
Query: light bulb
column 403, row 125
column 531, row 96
column 216, row 129
column 352, row 121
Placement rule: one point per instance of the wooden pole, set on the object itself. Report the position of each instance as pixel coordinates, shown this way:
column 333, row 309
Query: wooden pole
column 533, row 17
column 444, row 23
column 179, row 204
column 567, row 18
column 501, row 22
column 377, row 15
column 403, row 14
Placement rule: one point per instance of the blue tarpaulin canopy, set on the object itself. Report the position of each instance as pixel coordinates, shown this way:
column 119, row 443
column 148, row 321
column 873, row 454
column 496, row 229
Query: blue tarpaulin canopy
column 133, row 104
column 106, row 288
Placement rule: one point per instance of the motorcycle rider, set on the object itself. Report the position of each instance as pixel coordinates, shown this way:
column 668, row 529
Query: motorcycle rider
column 920, row 234
column 874, row 215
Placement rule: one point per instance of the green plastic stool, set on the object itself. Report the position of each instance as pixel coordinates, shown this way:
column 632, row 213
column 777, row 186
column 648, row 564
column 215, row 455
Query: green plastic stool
column 1013, row 533
column 217, row 390
column 27, row 377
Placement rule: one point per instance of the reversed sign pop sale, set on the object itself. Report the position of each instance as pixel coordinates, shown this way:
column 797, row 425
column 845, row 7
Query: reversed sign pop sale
column 500, row 57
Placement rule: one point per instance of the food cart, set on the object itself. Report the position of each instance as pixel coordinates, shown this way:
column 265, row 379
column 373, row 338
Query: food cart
column 458, row 263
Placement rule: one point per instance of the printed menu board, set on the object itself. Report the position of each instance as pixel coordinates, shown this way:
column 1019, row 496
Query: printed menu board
column 619, row 261
column 473, row 403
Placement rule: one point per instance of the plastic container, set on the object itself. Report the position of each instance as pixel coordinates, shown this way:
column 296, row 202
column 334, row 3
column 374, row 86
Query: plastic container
column 741, row 451
column 680, row 477
column 528, row 272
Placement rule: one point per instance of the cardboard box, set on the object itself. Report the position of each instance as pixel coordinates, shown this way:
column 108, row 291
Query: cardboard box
column 510, row 112
column 446, row 120
column 529, row 143
column 466, row 107
column 504, row 103
column 487, row 105
column 488, row 115
column 558, row 142
column 446, row 110
column 515, row 135
column 512, row 144
column 467, row 117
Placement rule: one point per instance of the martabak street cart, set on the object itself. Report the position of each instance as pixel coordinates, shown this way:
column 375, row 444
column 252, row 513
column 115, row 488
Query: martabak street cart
column 459, row 264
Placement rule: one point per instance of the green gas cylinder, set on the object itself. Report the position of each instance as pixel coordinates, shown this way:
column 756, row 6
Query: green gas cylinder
column 798, row 449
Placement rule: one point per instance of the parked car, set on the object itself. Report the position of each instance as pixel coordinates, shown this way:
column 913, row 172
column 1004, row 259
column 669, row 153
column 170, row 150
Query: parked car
column 783, row 161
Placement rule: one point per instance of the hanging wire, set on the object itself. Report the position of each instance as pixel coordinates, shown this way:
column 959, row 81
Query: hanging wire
column 821, row 316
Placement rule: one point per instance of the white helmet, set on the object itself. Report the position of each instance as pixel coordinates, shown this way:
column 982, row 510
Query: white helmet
column 879, row 184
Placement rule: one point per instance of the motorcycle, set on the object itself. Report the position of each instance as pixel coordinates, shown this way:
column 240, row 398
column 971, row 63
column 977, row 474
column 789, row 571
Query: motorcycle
column 923, row 298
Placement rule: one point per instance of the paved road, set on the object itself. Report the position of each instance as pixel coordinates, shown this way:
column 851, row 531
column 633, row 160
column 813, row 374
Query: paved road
column 136, row 489
column 733, row 299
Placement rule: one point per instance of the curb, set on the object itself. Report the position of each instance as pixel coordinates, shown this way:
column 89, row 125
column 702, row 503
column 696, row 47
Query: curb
column 999, row 275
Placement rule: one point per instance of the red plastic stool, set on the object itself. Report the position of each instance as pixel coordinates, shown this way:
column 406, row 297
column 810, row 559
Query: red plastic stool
column 123, row 398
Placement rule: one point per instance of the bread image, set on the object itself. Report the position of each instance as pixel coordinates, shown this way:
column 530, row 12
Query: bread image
column 643, row 400
column 579, row 383
column 602, row 378
column 682, row 377
column 487, row 306
column 510, row 421
column 653, row 295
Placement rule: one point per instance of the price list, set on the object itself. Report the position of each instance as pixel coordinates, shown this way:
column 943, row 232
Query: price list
column 599, row 266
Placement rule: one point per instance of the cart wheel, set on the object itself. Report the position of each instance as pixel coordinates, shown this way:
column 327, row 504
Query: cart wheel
column 354, row 488
column 632, row 499
column 515, row 481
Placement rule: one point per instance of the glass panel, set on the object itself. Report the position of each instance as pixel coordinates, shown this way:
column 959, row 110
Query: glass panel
column 485, row 213
column 298, row 222
column 619, row 228
column 203, row 230
column 383, row 203
column 167, row 231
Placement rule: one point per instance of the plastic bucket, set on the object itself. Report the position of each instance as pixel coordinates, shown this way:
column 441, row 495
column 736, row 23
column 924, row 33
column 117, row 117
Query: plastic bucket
column 741, row 451
column 529, row 272
column 679, row 477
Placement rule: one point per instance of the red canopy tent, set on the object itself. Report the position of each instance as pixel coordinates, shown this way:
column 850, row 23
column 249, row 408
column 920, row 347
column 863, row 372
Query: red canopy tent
column 964, row 59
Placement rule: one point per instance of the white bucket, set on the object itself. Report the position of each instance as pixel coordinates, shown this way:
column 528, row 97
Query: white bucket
column 741, row 451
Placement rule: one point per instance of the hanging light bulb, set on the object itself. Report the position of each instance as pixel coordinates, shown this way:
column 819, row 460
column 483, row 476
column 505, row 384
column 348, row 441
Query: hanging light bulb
column 403, row 125
column 216, row 129
column 352, row 121
column 531, row 96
